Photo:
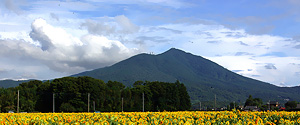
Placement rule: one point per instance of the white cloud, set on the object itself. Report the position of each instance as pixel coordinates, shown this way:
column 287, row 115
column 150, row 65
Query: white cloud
column 284, row 72
column 63, row 52
column 54, row 16
column 116, row 26
column 51, row 37
column 99, row 28
column 13, row 5
column 236, row 50
column 126, row 24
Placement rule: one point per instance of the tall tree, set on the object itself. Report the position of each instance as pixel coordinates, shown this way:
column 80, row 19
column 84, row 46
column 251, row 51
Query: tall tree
column 71, row 95
column 28, row 95
column 290, row 105
column 8, row 99
column 253, row 102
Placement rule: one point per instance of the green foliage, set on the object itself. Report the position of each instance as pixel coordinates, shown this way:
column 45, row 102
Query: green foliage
column 253, row 102
column 8, row 99
column 290, row 105
column 233, row 105
column 71, row 95
column 67, row 107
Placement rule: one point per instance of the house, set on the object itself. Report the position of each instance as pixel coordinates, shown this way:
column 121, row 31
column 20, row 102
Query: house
column 251, row 108
column 274, row 104
column 298, row 106
column 241, row 107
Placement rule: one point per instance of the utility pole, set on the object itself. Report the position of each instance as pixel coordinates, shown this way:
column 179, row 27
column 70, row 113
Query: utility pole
column 94, row 105
column 53, row 102
column 18, row 101
column 143, row 102
column 233, row 104
column 122, row 104
column 88, row 102
column 200, row 106
column 269, row 106
column 215, row 102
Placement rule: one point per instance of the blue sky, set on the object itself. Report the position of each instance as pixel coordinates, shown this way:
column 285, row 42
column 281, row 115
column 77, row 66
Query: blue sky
column 51, row 39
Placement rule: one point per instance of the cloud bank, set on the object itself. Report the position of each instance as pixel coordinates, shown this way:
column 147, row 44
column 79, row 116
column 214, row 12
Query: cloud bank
column 48, row 39
column 63, row 52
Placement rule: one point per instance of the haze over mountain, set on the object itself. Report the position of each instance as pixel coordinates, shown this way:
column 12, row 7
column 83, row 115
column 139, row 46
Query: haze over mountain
column 11, row 83
column 204, row 79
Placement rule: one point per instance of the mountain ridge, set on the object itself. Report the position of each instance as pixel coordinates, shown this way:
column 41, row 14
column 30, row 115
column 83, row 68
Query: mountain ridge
column 203, row 77
column 7, row 83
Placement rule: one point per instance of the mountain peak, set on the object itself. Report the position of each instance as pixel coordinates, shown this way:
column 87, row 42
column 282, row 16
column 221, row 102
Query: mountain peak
column 200, row 75
column 174, row 52
column 174, row 49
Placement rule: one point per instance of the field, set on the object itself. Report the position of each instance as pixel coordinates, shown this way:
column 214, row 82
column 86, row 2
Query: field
column 166, row 118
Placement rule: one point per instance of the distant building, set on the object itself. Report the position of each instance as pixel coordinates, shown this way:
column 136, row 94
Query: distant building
column 274, row 104
column 241, row 107
column 298, row 106
column 251, row 108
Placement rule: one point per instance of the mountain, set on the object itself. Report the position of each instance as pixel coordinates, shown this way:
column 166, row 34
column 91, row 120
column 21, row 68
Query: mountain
column 11, row 83
column 204, row 79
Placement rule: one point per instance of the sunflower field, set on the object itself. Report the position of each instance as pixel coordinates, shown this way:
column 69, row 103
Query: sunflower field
column 155, row 118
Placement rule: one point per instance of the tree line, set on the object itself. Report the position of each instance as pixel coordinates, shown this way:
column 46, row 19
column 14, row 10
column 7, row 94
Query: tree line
column 289, row 105
column 71, row 95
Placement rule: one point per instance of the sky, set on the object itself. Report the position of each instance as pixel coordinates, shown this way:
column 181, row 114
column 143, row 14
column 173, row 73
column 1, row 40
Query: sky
column 44, row 39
